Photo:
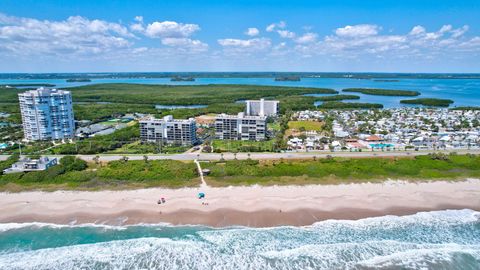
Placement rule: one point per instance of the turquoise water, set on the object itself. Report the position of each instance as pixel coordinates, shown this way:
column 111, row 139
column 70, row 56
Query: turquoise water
column 380, row 145
column 431, row 240
column 465, row 92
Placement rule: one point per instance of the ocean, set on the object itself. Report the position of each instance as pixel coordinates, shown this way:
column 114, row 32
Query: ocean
column 429, row 240
column 465, row 92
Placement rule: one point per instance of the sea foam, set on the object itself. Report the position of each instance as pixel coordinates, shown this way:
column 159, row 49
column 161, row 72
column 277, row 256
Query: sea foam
column 429, row 240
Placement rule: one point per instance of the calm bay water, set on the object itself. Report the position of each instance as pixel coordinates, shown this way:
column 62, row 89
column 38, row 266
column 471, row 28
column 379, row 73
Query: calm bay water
column 465, row 92
column 434, row 240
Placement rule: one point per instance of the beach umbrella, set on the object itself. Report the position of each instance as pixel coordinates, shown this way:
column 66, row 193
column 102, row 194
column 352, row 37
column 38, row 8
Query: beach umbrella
column 201, row 195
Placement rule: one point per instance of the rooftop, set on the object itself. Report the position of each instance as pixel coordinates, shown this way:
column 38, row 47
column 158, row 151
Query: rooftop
column 240, row 115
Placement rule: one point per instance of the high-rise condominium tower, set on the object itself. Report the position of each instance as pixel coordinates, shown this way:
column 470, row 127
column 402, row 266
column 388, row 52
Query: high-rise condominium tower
column 47, row 114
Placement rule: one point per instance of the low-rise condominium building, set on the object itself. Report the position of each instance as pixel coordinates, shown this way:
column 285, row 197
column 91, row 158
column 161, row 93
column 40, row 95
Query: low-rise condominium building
column 168, row 130
column 240, row 127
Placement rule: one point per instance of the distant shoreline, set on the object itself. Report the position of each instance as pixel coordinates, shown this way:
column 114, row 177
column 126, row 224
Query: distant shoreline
column 246, row 206
column 265, row 74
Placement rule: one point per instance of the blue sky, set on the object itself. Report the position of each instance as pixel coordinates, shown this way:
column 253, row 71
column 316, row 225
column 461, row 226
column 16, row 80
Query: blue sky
column 379, row 36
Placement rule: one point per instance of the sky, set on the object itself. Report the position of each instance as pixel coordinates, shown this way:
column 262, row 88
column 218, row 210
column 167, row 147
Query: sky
column 223, row 35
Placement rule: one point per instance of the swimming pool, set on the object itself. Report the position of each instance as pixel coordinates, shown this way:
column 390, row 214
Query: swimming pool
column 381, row 145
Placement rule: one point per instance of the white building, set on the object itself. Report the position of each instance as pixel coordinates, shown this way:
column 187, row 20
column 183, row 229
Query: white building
column 168, row 130
column 240, row 127
column 262, row 107
column 31, row 165
column 47, row 114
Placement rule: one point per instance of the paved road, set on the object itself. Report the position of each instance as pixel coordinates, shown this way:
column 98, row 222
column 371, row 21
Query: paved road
column 288, row 155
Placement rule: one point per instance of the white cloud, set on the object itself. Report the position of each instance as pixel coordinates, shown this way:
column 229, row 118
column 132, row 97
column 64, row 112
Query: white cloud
column 361, row 30
column 472, row 44
column 137, row 27
column 273, row 26
column 446, row 28
column 75, row 35
column 252, row 32
column 280, row 49
column 195, row 45
column 353, row 41
column 286, row 34
column 259, row 43
column 418, row 30
column 172, row 34
column 358, row 40
column 244, row 46
column 170, row 29
column 78, row 36
column 307, row 38
column 460, row 31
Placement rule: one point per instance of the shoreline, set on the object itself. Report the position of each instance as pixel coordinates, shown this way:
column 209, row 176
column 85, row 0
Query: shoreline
column 252, row 206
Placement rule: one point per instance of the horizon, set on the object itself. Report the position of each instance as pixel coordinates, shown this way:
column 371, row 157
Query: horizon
column 251, row 72
column 51, row 36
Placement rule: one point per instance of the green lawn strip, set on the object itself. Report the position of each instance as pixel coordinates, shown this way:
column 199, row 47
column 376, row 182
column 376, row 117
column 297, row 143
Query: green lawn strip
column 305, row 125
column 242, row 146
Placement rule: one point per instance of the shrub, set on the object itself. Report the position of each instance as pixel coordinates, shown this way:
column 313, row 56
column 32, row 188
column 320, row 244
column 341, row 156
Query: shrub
column 71, row 163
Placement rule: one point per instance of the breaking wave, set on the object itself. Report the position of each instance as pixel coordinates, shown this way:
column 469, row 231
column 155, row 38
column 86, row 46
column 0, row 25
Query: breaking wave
column 429, row 240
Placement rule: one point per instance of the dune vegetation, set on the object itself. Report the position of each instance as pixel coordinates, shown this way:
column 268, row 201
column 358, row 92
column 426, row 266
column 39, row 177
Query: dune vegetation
column 342, row 170
column 73, row 173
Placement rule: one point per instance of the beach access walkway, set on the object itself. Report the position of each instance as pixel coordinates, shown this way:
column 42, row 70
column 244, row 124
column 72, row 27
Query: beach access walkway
column 200, row 173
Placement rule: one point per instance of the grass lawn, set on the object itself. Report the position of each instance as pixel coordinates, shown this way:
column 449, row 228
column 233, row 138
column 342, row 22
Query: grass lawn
column 242, row 146
column 107, row 123
column 274, row 126
column 148, row 148
column 307, row 125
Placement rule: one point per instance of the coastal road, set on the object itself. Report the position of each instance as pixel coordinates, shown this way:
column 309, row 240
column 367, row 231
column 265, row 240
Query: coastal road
column 266, row 156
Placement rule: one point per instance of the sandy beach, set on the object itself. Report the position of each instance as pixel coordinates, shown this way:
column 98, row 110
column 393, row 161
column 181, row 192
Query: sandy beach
column 250, row 206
